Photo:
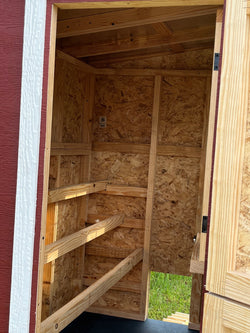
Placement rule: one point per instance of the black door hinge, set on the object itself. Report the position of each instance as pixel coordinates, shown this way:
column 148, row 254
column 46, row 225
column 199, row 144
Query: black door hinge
column 204, row 223
column 216, row 61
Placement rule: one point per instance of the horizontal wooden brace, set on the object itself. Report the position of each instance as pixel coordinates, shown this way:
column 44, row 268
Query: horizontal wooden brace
column 138, row 4
column 79, row 64
column 79, row 238
column 127, row 191
column 70, row 149
column 152, row 72
column 74, row 191
column 127, row 18
column 162, row 150
column 65, row 315
column 127, row 223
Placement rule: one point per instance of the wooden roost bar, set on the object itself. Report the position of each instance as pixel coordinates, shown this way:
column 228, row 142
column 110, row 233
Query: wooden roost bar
column 128, row 160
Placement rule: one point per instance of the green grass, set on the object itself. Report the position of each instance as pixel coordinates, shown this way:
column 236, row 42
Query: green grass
column 168, row 294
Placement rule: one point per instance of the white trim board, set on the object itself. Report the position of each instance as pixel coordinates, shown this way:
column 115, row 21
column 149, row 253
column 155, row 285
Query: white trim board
column 28, row 159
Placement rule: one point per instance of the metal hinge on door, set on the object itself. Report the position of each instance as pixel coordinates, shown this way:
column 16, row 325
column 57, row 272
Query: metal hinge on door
column 216, row 61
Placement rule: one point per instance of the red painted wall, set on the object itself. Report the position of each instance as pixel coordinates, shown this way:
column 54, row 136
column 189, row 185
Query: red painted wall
column 11, row 47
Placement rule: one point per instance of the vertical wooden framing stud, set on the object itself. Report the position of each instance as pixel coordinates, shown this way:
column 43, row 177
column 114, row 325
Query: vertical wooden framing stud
column 211, row 119
column 46, row 162
column 150, row 196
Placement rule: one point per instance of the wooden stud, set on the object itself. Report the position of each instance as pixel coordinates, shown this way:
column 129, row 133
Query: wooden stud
column 211, row 120
column 195, row 304
column 150, row 196
column 61, row 318
column 79, row 238
column 74, row 191
column 70, row 149
column 127, row 18
column 46, row 164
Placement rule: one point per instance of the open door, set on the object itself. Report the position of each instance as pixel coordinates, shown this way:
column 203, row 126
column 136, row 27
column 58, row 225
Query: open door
column 227, row 302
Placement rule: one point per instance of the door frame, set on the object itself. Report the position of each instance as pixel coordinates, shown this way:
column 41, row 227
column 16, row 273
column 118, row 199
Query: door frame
column 40, row 17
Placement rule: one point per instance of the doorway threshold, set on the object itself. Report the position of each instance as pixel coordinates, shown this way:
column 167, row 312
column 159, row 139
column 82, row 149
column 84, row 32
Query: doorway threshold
column 96, row 323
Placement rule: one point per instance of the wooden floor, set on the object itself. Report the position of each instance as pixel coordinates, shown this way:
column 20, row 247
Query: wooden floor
column 94, row 323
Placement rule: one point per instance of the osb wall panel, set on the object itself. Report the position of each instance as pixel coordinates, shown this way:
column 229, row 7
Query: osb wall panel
column 181, row 111
column 126, row 101
column 120, row 168
column 118, row 300
column 97, row 266
column 68, row 106
column 68, row 110
column 243, row 253
column 111, row 205
column 175, row 204
column 177, row 178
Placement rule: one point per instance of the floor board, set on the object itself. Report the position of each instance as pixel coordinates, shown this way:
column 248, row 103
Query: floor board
column 94, row 323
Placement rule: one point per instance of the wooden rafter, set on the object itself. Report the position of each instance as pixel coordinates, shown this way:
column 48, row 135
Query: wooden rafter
column 81, row 237
column 127, row 18
column 150, row 195
column 62, row 317
column 164, row 30
column 116, row 45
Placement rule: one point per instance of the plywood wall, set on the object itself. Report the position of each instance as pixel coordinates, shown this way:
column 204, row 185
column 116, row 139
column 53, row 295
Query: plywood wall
column 126, row 102
column 177, row 178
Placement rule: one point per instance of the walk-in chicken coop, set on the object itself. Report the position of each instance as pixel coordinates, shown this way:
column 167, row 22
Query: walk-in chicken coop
column 129, row 157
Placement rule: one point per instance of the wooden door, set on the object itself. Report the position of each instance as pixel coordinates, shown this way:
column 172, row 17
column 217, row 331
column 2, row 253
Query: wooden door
column 227, row 305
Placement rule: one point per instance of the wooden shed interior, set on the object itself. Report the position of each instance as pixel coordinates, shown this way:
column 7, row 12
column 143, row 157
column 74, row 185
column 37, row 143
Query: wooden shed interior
column 131, row 143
